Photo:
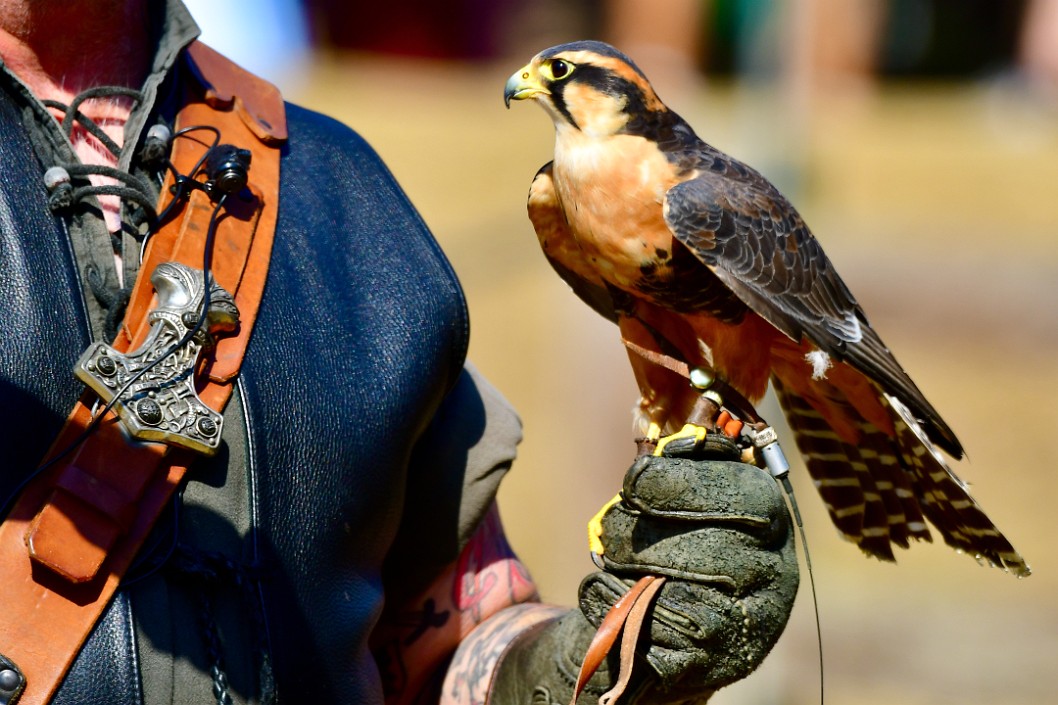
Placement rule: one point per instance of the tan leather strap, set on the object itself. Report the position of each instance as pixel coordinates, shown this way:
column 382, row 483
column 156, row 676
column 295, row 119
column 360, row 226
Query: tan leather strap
column 76, row 528
column 637, row 617
column 661, row 359
column 746, row 411
column 625, row 617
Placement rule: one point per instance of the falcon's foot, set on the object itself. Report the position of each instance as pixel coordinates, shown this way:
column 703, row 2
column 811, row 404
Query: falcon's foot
column 595, row 526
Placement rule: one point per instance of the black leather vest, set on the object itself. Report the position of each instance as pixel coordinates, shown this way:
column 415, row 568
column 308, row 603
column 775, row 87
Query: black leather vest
column 361, row 332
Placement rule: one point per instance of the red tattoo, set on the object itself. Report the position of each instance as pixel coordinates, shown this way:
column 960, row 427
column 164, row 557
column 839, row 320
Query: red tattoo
column 415, row 639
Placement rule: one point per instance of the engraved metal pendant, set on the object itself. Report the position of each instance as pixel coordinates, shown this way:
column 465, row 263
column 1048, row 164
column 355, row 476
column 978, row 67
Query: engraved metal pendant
column 161, row 404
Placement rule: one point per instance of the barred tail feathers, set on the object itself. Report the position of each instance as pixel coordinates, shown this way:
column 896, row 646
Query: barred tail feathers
column 863, row 485
column 882, row 478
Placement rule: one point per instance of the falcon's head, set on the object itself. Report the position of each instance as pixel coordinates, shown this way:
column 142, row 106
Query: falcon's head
column 590, row 87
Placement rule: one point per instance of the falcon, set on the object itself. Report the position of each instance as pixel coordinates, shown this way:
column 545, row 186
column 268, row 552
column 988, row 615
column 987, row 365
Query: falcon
column 697, row 257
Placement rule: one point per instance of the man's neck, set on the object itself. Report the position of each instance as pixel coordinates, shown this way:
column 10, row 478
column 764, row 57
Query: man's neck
column 61, row 47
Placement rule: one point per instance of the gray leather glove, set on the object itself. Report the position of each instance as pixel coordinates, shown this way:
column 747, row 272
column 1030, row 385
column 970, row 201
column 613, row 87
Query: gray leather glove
column 718, row 530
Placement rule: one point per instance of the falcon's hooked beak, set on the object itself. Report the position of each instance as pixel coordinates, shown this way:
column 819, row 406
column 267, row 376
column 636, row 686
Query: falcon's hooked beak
column 523, row 83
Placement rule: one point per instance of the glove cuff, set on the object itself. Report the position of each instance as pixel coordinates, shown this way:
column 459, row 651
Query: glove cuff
column 541, row 666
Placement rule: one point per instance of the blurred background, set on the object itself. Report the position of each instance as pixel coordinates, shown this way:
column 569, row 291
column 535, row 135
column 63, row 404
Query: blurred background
column 919, row 138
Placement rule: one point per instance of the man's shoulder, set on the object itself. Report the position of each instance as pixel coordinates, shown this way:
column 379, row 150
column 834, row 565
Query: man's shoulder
column 322, row 146
column 306, row 125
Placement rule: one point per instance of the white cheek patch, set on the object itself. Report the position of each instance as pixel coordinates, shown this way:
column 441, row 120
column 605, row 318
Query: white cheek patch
column 820, row 363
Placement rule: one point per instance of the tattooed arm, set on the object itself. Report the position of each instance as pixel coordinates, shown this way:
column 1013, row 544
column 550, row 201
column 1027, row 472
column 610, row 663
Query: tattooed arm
column 414, row 641
column 732, row 574
column 718, row 531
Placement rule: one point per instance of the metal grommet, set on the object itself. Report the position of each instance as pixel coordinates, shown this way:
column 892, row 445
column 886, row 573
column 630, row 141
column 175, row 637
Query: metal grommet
column 12, row 682
column 702, row 378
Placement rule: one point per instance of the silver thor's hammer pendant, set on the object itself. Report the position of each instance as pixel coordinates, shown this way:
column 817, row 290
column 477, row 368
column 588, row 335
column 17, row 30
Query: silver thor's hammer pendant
column 161, row 405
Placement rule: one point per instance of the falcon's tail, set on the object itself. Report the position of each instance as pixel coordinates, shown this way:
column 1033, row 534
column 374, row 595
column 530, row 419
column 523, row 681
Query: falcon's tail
column 879, row 475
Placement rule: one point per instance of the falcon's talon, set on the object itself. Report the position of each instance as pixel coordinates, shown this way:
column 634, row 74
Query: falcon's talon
column 653, row 432
column 689, row 430
column 595, row 527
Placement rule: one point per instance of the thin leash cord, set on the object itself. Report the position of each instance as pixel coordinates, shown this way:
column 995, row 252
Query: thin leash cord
column 788, row 489
column 180, row 180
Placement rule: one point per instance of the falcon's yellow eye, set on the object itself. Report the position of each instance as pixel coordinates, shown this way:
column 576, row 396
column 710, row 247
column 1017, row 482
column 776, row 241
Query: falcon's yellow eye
column 556, row 69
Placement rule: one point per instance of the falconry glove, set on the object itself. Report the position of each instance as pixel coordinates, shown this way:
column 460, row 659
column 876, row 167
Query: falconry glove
column 719, row 533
